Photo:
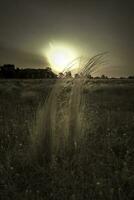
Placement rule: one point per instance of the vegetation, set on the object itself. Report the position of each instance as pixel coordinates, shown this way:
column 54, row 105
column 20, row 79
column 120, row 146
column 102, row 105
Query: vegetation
column 9, row 71
column 101, row 164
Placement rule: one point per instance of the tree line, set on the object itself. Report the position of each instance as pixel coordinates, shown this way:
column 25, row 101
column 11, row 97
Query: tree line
column 9, row 71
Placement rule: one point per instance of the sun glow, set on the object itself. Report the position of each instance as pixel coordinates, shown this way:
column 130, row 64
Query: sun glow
column 59, row 56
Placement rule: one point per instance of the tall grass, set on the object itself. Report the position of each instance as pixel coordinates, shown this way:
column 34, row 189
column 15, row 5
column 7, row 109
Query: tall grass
column 100, row 164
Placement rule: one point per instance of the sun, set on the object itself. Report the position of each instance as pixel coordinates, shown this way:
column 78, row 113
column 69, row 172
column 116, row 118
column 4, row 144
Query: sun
column 59, row 56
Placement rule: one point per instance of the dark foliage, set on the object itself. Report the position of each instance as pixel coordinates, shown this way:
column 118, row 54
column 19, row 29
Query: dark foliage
column 9, row 71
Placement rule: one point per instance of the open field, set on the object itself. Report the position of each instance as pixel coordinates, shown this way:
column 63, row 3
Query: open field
column 92, row 163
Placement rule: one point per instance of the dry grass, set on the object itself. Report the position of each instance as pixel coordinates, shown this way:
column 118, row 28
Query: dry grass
column 100, row 167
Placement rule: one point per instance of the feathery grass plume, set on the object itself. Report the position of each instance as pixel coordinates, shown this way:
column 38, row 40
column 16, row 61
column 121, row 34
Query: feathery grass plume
column 87, row 66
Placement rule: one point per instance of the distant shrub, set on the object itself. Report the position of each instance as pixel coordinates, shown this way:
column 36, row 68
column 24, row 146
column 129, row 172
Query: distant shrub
column 130, row 77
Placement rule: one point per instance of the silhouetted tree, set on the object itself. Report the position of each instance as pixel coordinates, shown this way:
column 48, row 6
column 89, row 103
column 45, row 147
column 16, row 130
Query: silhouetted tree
column 68, row 74
column 61, row 75
column 130, row 77
column 77, row 76
column 103, row 76
column 9, row 71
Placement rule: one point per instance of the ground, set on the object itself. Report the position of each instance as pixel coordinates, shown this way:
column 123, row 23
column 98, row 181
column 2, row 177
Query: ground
column 100, row 165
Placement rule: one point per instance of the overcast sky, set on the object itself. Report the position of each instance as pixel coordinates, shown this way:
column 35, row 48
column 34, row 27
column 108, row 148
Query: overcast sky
column 27, row 27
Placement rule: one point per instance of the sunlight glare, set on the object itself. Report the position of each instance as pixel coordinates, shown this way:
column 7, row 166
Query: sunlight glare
column 59, row 56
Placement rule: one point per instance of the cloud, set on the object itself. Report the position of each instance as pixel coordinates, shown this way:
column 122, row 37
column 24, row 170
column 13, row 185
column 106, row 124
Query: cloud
column 21, row 58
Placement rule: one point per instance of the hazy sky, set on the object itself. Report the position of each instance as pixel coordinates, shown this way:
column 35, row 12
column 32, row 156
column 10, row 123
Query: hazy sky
column 27, row 27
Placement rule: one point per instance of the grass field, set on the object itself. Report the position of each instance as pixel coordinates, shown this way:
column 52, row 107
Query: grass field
column 100, row 167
